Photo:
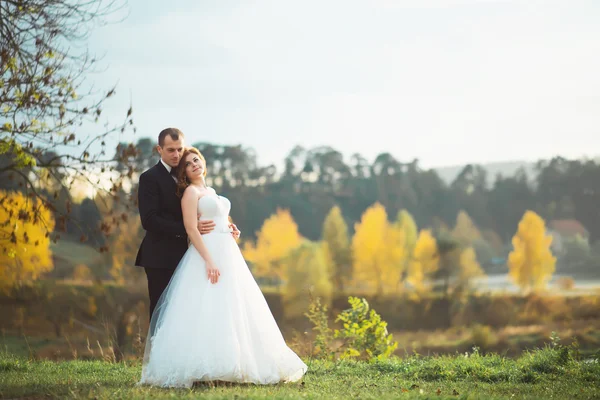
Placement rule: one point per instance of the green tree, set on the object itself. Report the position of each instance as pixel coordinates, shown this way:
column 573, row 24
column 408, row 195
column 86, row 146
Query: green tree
column 508, row 200
column 465, row 230
column 335, row 235
column 406, row 224
column 307, row 276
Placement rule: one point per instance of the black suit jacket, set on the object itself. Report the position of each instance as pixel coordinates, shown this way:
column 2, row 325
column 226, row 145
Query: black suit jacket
column 165, row 241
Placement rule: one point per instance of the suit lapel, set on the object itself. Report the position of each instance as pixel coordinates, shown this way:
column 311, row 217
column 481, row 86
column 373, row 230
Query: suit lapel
column 165, row 175
column 173, row 202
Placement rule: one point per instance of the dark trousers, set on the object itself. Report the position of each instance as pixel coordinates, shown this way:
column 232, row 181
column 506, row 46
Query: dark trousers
column 158, row 279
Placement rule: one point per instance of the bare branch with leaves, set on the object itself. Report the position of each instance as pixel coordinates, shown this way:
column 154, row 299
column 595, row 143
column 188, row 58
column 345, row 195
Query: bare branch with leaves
column 51, row 133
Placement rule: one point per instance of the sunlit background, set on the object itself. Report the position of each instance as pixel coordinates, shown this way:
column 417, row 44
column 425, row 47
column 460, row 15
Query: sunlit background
column 438, row 158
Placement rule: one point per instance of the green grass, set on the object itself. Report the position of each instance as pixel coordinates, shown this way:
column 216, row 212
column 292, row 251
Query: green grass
column 541, row 374
column 75, row 252
column 68, row 254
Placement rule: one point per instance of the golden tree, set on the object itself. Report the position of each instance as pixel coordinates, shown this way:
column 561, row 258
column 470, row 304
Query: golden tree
column 125, row 240
column 406, row 224
column 469, row 266
column 531, row 263
column 378, row 250
column 335, row 235
column 307, row 271
column 425, row 260
column 465, row 229
column 27, row 254
column 276, row 238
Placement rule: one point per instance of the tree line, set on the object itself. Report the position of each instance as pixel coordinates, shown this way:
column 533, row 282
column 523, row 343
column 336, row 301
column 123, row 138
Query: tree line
column 52, row 142
column 314, row 180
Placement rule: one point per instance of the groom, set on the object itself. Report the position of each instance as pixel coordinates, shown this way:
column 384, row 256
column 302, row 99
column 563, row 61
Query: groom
column 165, row 241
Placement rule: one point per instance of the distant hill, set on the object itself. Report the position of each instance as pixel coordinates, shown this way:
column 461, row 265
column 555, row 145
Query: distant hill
column 505, row 168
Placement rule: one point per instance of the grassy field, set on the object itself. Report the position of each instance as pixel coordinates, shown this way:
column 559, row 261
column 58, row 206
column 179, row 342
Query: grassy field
column 508, row 340
column 551, row 372
column 67, row 254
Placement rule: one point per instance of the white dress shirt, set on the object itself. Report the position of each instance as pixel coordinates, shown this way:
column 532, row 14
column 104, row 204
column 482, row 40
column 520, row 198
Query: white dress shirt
column 169, row 168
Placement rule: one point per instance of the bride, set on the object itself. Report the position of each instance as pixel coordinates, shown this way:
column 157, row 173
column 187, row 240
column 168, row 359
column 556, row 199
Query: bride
column 212, row 322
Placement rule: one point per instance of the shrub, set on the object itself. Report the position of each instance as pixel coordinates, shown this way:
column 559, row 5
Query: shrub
column 565, row 283
column 482, row 336
column 317, row 314
column 364, row 333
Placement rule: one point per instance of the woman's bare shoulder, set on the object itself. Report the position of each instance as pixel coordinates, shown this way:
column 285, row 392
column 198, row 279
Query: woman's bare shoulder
column 191, row 192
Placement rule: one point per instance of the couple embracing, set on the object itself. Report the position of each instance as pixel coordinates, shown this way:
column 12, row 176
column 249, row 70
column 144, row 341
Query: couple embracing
column 209, row 319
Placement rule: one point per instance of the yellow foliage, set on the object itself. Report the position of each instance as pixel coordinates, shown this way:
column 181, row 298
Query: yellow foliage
column 378, row 251
column 469, row 266
column 307, row 276
column 531, row 263
column 82, row 273
column 406, row 223
column 277, row 237
column 425, row 260
column 565, row 283
column 465, row 230
column 124, row 244
column 25, row 254
column 335, row 235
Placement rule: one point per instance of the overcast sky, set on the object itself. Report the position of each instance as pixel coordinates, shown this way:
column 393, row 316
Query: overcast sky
column 445, row 81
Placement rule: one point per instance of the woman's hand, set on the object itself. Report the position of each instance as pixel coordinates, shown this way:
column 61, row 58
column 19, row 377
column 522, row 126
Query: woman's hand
column 235, row 232
column 212, row 272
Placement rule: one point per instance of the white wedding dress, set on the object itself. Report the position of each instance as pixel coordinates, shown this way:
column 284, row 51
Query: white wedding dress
column 225, row 331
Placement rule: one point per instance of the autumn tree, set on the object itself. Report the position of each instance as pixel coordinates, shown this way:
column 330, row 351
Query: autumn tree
column 465, row 229
column 378, row 249
column 424, row 261
column 307, row 277
column 51, row 132
column 471, row 239
column 90, row 218
column 335, row 235
column 125, row 241
column 276, row 238
column 469, row 267
column 407, row 227
column 531, row 263
column 124, row 234
column 458, row 263
column 27, row 254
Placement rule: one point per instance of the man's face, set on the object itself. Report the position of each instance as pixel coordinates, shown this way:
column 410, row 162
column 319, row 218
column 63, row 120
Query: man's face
column 171, row 151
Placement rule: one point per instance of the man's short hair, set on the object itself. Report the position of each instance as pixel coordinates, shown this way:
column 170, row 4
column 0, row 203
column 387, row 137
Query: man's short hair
column 173, row 132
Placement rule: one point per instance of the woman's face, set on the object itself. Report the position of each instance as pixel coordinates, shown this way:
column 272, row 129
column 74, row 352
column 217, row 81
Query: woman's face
column 194, row 166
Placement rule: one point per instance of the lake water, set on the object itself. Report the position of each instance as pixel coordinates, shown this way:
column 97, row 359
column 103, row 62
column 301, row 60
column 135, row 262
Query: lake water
column 501, row 282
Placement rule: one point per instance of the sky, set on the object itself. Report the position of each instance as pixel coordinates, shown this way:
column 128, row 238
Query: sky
column 449, row 82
